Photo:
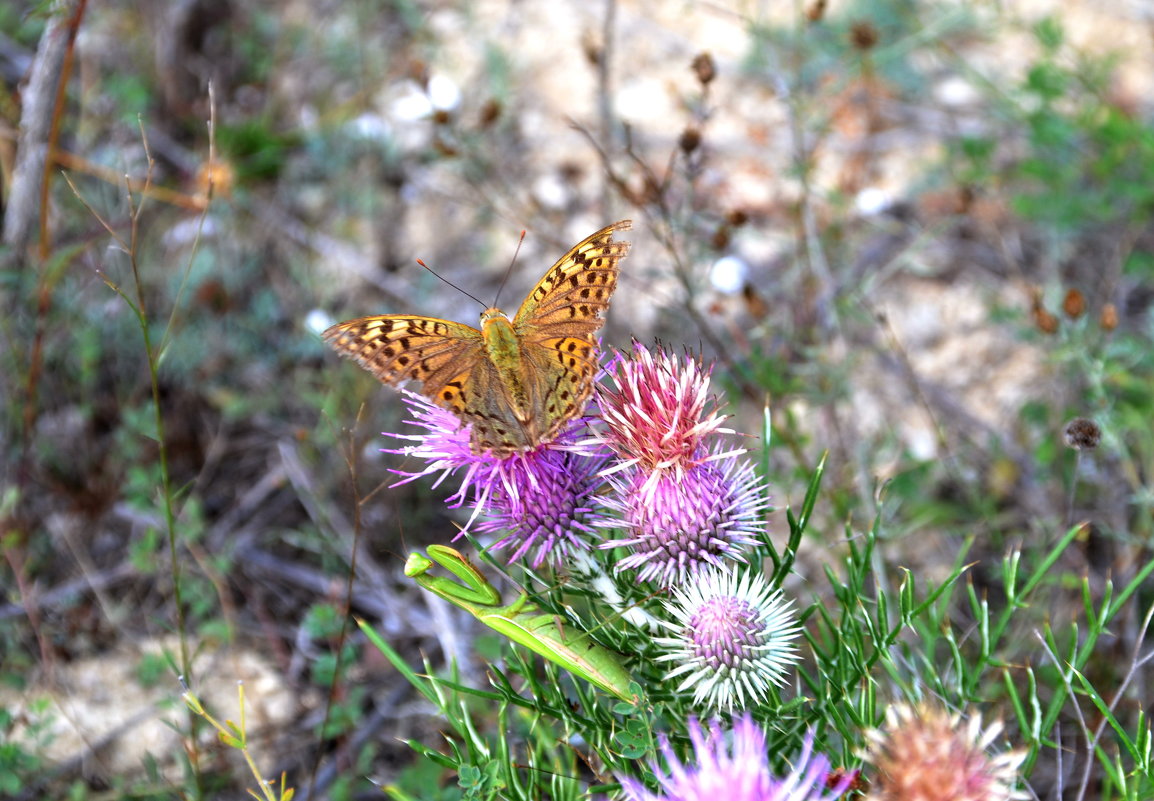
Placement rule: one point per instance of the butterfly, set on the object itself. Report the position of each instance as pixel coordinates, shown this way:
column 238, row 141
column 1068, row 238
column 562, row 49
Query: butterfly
column 516, row 382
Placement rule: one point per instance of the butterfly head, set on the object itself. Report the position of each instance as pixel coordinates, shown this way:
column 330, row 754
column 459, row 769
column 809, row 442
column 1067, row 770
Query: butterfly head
column 492, row 313
column 502, row 344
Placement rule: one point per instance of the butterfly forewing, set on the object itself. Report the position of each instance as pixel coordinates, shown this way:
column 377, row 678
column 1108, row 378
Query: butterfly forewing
column 563, row 370
column 568, row 300
column 441, row 354
column 558, row 321
column 554, row 330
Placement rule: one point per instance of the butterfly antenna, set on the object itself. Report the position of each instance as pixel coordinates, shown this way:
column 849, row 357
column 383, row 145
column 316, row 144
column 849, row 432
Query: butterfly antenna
column 450, row 283
column 510, row 267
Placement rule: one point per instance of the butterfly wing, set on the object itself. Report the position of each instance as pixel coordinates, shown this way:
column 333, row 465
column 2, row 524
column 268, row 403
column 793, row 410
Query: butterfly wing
column 441, row 354
column 496, row 427
column 557, row 322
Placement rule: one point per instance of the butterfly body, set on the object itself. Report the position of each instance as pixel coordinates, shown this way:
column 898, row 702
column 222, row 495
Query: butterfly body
column 516, row 381
column 503, row 347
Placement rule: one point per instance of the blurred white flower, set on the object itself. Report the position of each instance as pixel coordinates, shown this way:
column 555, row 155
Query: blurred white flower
column 411, row 104
column 318, row 321
column 369, row 126
column 728, row 274
column 872, row 200
column 550, row 192
column 444, row 94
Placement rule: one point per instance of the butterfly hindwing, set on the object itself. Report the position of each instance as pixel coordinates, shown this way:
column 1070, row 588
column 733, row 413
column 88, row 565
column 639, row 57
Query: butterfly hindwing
column 564, row 369
column 495, row 425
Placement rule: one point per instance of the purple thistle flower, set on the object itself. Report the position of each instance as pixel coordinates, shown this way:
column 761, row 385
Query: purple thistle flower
column 736, row 772
column 677, row 525
column 444, row 446
column 541, row 497
column 544, row 503
column 685, row 500
column 733, row 638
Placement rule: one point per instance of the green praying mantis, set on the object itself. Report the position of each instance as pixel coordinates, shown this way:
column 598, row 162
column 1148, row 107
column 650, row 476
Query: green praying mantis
column 520, row 621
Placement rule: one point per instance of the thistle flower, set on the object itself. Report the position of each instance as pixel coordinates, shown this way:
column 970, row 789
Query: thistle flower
column 541, row 498
column 677, row 526
column 926, row 754
column 444, row 446
column 733, row 638
column 661, row 412
column 739, row 772
column 544, row 503
column 685, row 500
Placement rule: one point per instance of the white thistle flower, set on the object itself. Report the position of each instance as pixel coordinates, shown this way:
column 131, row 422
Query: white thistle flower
column 733, row 638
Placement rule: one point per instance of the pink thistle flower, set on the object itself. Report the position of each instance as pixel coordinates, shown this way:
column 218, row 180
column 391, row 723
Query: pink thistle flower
column 544, row 503
column 736, row 772
column 443, row 445
column 927, row 754
column 541, row 498
column 661, row 412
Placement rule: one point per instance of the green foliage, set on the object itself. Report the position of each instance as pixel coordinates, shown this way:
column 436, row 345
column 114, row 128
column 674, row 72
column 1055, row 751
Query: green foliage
column 257, row 152
column 153, row 669
column 24, row 28
column 18, row 765
column 323, row 621
column 167, row 399
column 1086, row 162
column 131, row 95
column 329, row 666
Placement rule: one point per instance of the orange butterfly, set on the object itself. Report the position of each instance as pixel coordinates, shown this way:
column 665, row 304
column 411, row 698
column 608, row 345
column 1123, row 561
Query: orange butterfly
column 516, row 382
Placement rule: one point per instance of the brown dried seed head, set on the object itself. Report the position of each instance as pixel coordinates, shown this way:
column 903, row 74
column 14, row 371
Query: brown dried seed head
column 1043, row 320
column 1075, row 304
column 704, row 68
column 418, row 72
column 689, row 140
column 755, row 304
column 721, row 238
column 591, row 48
column 1109, row 317
column 215, row 296
column 653, row 190
column 1046, row 322
column 1083, row 434
column 443, row 148
column 571, row 171
column 490, row 112
column 863, row 35
column 816, row 11
column 736, row 217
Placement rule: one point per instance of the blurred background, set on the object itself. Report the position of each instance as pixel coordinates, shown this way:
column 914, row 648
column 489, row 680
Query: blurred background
column 917, row 231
